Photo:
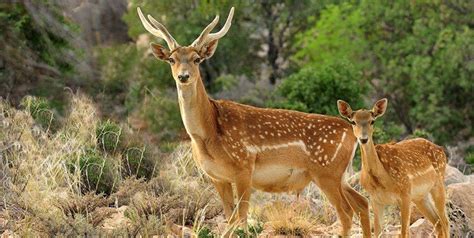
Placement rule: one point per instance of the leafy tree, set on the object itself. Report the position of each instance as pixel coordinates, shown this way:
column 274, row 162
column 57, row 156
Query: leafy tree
column 420, row 54
column 316, row 89
column 336, row 35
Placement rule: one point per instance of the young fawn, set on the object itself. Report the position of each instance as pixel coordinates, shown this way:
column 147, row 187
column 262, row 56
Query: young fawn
column 399, row 173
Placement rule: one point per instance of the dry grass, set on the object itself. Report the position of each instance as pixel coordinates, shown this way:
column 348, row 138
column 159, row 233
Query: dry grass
column 71, row 181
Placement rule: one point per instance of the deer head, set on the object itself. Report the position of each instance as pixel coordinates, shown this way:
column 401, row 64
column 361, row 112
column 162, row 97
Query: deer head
column 185, row 60
column 362, row 120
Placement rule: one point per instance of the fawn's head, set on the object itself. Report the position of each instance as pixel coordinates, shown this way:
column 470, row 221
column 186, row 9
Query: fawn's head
column 362, row 120
column 185, row 60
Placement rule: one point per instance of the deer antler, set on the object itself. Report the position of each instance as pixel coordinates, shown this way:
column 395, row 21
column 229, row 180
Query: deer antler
column 205, row 37
column 158, row 30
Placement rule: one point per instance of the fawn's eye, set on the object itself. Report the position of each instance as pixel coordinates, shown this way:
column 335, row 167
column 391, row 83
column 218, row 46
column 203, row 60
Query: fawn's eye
column 372, row 122
column 352, row 122
column 197, row 60
column 171, row 60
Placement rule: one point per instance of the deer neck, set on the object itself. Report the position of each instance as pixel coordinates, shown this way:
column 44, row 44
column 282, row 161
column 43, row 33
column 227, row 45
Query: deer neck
column 370, row 159
column 196, row 109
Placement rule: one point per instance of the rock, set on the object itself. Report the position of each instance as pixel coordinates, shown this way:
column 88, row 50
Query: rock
column 421, row 228
column 470, row 178
column 453, row 175
column 9, row 234
column 415, row 214
column 100, row 21
column 117, row 220
column 462, row 195
column 458, row 221
column 179, row 231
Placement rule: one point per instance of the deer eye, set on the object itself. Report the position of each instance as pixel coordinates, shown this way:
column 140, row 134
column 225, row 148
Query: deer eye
column 352, row 122
column 197, row 60
column 372, row 122
column 171, row 60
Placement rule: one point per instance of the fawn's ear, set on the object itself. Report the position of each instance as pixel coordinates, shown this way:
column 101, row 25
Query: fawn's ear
column 160, row 52
column 207, row 51
column 344, row 109
column 379, row 108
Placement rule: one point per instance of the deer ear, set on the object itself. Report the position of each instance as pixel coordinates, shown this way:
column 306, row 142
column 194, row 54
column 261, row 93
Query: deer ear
column 344, row 109
column 207, row 51
column 159, row 51
column 379, row 108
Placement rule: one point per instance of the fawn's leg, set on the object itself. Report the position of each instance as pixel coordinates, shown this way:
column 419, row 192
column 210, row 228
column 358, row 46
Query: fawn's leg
column 378, row 209
column 438, row 193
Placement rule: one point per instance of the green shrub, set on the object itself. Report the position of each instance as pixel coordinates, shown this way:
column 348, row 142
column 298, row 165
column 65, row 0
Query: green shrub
column 96, row 172
column 469, row 159
column 161, row 112
column 317, row 90
column 41, row 111
column 420, row 133
column 205, row 232
column 109, row 136
column 137, row 162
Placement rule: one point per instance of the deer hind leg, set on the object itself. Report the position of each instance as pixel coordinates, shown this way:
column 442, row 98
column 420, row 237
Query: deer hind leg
column 438, row 194
column 334, row 192
column 360, row 205
column 428, row 209
column 405, row 214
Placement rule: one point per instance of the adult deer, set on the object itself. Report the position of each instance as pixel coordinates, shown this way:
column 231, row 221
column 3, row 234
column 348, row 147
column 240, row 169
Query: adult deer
column 398, row 173
column 268, row 149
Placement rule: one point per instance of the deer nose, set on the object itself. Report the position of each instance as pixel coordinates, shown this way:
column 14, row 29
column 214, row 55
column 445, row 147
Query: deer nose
column 363, row 141
column 183, row 78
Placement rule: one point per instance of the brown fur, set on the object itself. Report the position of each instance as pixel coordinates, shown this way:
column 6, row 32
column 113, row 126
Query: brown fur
column 269, row 149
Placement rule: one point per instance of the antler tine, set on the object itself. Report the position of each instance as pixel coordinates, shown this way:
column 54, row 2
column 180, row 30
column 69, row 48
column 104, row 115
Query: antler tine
column 225, row 28
column 165, row 32
column 206, row 31
column 161, row 32
column 205, row 37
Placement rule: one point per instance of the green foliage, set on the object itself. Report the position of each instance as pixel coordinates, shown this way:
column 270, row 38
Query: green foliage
column 386, row 131
column 162, row 113
column 41, row 111
column 109, row 136
column 316, row 90
column 469, row 158
column 137, row 162
column 96, row 172
column 415, row 53
column 205, row 232
column 253, row 231
column 419, row 50
column 336, row 35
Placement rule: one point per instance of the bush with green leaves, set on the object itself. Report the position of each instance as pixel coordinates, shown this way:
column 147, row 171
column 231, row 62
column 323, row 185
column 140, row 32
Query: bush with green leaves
column 41, row 111
column 109, row 136
column 97, row 172
column 137, row 162
column 316, row 89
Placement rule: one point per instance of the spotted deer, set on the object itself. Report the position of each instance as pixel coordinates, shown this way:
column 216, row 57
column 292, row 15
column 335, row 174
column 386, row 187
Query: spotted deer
column 399, row 173
column 267, row 149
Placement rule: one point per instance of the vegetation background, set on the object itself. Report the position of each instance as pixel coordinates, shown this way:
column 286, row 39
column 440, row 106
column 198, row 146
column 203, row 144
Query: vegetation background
column 90, row 118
